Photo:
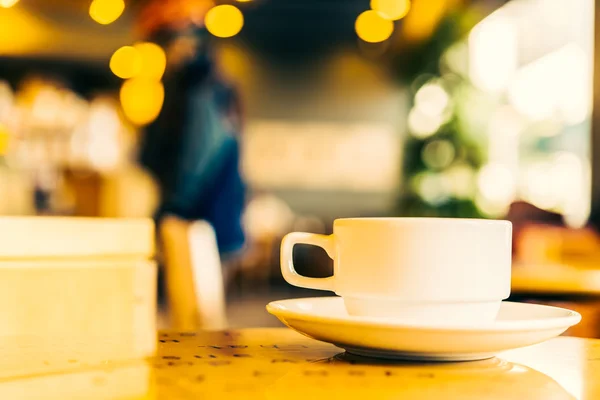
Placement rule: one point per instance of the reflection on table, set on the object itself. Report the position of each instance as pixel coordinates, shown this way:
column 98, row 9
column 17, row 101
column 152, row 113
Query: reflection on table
column 279, row 363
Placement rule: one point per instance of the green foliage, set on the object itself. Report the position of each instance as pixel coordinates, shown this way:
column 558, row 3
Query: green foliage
column 416, row 66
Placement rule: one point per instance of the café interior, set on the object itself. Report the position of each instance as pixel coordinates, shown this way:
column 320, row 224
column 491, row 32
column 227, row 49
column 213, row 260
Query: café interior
column 279, row 116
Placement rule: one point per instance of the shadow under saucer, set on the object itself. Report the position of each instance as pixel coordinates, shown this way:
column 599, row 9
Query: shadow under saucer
column 347, row 374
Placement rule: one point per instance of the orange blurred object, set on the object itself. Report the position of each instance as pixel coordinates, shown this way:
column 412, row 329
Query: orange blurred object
column 544, row 244
column 172, row 14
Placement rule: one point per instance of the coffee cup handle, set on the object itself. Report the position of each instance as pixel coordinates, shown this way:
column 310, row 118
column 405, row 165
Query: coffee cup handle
column 326, row 242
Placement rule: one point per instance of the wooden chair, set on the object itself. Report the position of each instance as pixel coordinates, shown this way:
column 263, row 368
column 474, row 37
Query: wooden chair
column 193, row 276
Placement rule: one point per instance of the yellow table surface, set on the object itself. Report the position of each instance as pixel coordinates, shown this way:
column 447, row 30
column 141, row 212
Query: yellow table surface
column 281, row 364
column 556, row 279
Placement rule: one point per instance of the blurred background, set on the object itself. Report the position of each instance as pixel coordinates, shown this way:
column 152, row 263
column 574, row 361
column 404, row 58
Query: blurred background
column 269, row 116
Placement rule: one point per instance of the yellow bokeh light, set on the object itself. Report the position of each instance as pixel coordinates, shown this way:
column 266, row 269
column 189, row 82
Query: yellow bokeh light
column 8, row 3
column 244, row 1
column 392, row 9
column 153, row 60
column 4, row 139
column 423, row 19
column 13, row 23
column 126, row 62
column 142, row 99
column 106, row 11
column 224, row 21
column 371, row 26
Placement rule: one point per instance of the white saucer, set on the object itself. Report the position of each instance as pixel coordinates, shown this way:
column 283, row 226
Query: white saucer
column 517, row 325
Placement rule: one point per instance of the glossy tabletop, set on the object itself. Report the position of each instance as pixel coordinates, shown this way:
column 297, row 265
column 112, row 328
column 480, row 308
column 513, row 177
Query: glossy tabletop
column 281, row 364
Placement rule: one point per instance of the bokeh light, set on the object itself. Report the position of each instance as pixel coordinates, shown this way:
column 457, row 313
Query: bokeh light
column 46, row 107
column 103, row 128
column 432, row 99
column 561, row 183
column 462, row 180
column 423, row 19
column 106, row 11
column 7, row 99
column 392, row 9
column 490, row 208
column 142, row 99
column 224, row 21
column 493, row 55
column 8, row 3
column 4, row 138
column 422, row 125
column 266, row 216
column 153, row 60
column 438, row 154
column 497, row 185
column 558, row 83
column 497, row 189
column 126, row 62
column 372, row 26
column 434, row 188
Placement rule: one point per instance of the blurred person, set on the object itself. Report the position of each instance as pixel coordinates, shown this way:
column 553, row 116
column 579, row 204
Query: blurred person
column 192, row 148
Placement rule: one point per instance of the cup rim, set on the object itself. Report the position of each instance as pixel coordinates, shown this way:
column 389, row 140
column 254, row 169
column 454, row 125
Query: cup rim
column 424, row 220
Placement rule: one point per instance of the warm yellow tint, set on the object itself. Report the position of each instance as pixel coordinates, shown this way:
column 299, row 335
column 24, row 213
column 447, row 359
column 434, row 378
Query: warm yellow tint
column 392, row 9
column 244, row 1
column 49, row 330
column 279, row 363
column 371, row 26
column 142, row 100
column 153, row 60
column 59, row 326
column 235, row 62
column 193, row 303
column 123, row 381
column 4, row 136
column 13, row 23
column 8, row 3
column 578, row 277
column 126, row 62
column 424, row 17
column 224, row 21
column 106, row 11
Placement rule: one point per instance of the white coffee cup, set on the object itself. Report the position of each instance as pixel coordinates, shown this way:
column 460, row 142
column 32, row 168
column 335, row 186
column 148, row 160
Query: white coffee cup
column 420, row 269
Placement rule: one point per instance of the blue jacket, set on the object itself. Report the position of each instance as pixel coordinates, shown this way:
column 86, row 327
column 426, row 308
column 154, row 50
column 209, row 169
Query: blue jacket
column 196, row 161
